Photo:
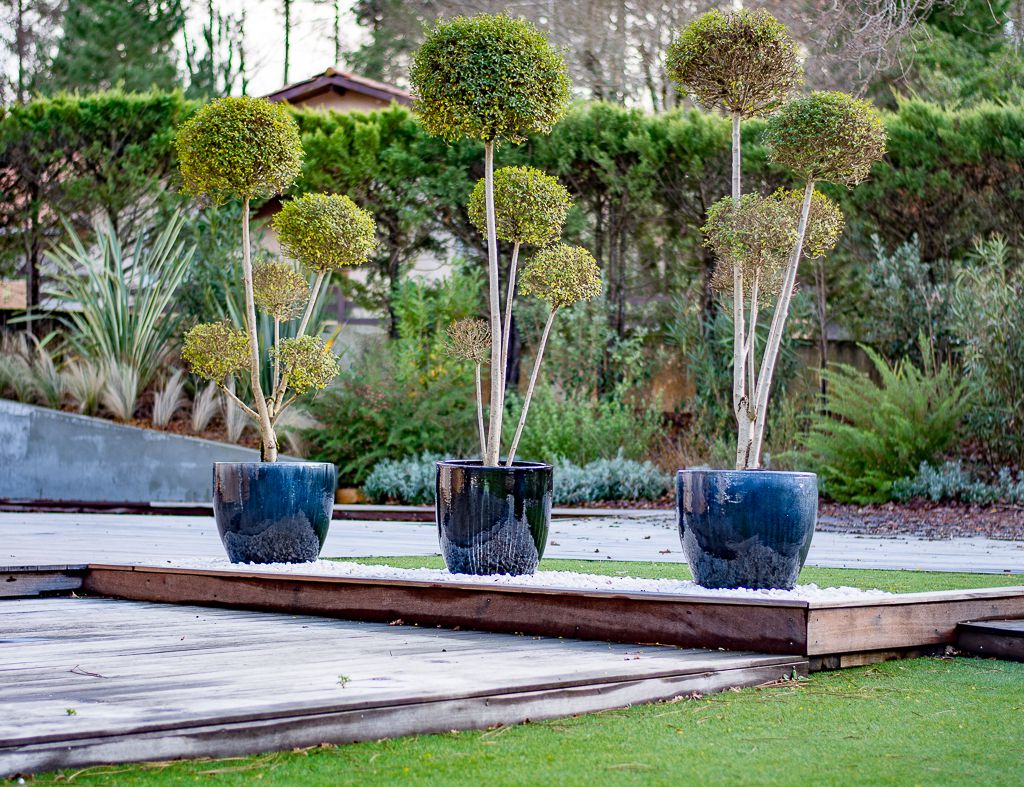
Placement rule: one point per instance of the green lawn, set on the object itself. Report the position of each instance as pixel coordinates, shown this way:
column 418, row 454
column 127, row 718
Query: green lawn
column 892, row 581
column 927, row 721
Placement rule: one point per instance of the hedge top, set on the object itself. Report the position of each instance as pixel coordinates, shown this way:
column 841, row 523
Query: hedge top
column 325, row 232
column 743, row 62
column 488, row 78
column 828, row 136
column 529, row 206
column 562, row 275
column 239, row 148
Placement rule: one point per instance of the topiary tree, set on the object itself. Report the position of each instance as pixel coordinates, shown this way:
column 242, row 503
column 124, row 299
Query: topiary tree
column 248, row 148
column 825, row 136
column 529, row 209
column 744, row 63
column 561, row 275
column 758, row 235
column 494, row 78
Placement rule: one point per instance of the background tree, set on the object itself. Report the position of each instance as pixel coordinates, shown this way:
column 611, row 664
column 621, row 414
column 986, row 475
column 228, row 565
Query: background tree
column 80, row 160
column 30, row 29
column 489, row 78
column 218, row 66
column 110, row 43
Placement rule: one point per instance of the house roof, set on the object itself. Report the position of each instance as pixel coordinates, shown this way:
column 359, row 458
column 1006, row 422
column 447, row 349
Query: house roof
column 337, row 81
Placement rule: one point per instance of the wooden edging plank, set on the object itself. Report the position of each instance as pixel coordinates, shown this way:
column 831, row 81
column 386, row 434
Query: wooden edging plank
column 345, row 726
column 24, row 581
column 763, row 627
column 906, row 620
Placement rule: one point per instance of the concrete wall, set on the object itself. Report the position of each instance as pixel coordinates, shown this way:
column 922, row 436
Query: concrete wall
column 51, row 455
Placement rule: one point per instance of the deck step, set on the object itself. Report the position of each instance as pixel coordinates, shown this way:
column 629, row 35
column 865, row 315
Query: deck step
column 998, row 639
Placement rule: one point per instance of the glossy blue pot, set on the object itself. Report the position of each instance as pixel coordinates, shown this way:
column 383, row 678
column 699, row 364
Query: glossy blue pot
column 492, row 520
column 746, row 528
column 273, row 512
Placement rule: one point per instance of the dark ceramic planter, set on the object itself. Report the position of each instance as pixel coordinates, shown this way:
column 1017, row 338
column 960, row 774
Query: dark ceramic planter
column 493, row 520
column 273, row 512
column 746, row 528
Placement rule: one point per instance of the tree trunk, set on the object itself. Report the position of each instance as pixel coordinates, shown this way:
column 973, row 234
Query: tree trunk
column 740, row 401
column 268, row 438
column 530, row 387
column 494, row 296
column 821, row 299
column 771, row 350
column 287, row 36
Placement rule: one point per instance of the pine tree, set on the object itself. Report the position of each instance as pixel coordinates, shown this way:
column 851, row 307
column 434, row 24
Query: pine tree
column 118, row 42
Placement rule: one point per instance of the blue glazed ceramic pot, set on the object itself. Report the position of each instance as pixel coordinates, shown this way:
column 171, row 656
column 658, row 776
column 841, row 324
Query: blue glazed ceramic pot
column 273, row 512
column 746, row 528
column 492, row 520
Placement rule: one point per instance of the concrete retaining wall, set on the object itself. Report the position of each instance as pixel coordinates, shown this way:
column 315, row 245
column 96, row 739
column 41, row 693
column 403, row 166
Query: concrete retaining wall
column 51, row 455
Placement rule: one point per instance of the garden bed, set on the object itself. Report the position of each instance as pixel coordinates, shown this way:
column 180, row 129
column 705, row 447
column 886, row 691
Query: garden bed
column 925, row 520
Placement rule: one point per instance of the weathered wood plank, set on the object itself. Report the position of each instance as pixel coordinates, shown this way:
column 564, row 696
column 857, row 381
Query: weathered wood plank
column 264, row 681
column 39, row 580
column 685, row 621
column 904, row 621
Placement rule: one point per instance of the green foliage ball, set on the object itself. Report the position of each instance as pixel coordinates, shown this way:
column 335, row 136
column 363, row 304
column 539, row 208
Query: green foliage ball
column 529, row 206
column 562, row 275
column 216, row 350
column 279, row 289
column 743, row 62
column 488, row 77
column 308, row 362
column 758, row 234
column 325, row 232
column 828, row 136
column 824, row 221
column 239, row 148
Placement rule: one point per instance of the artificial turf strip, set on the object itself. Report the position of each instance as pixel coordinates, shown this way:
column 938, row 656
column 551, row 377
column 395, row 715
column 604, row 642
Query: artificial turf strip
column 926, row 721
column 891, row 581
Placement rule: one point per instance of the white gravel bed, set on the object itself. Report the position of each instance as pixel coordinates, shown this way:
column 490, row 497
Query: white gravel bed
column 568, row 580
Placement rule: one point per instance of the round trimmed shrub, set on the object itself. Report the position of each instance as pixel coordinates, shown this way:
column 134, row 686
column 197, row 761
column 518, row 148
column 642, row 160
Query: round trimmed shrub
column 239, row 148
column 828, row 136
column 529, row 206
column 325, row 232
column 562, row 275
column 488, row 77
column 743, row 62
column 759, row 233
column 308, row 362
column 279, row 289
column 216, row 350
column 824, row 221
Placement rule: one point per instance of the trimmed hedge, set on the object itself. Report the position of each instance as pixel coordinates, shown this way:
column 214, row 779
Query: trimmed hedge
column 641, row 183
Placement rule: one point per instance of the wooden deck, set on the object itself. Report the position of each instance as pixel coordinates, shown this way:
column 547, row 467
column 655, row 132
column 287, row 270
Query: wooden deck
column 86, row 680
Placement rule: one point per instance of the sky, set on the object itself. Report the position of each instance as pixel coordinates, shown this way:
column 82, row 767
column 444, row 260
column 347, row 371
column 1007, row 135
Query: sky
column 312, row 47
